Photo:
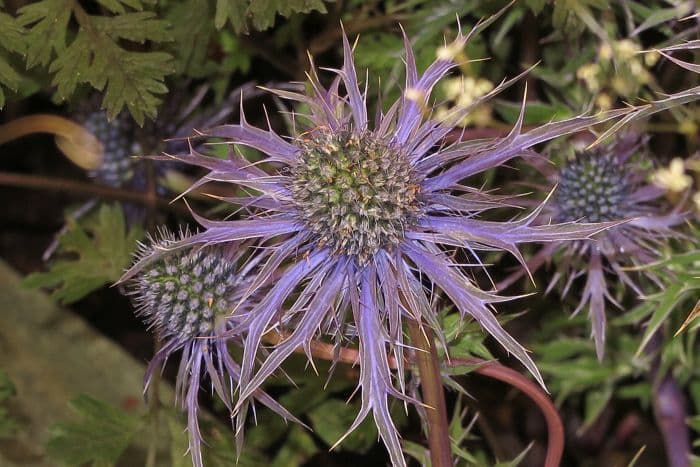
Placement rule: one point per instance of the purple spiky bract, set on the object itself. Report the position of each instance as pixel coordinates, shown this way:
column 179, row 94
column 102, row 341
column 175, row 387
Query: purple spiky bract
column 185, row 297
column 354, row 219
column 608, row 183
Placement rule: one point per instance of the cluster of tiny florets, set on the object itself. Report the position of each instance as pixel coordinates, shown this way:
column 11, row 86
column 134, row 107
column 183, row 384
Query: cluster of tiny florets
column 356, row 193
column 119, row 142
column 184, row 293
column 593, row 187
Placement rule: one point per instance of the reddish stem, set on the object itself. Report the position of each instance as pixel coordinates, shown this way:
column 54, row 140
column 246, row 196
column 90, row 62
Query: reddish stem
column 488, row 368
column 82, row 188
column 555, row 428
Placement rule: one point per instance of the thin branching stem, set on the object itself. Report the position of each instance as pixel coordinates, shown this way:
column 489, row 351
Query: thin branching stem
column 83, row 189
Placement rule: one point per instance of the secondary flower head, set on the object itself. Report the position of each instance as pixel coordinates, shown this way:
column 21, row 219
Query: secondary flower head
column 608, row 183
column 358, row 222
column 594, row 187
column 185, row 296
column 120, row 145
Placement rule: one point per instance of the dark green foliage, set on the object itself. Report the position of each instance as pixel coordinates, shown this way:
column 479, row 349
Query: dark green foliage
column 8, row 425
column 96, row 53
column 98, row 250
column 331, row 420
column 11, row 43
column 100, row 437
column 261, row 13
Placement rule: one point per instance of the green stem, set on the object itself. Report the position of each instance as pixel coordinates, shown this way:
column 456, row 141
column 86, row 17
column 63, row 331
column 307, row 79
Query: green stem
column 433, row 394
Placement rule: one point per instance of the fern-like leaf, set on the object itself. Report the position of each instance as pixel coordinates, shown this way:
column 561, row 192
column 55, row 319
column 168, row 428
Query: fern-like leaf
column 11, row 41
column 96, row 54
column 261, row 13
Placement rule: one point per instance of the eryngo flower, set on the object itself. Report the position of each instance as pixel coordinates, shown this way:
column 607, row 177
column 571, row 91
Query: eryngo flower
column 185, row 297
column 363, row 219
column 120, row 145
column 607, row 183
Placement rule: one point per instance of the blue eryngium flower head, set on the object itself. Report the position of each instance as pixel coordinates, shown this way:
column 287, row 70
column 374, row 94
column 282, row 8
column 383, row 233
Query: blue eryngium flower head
column 607, row 183
column 357, row 222
column 185, row 297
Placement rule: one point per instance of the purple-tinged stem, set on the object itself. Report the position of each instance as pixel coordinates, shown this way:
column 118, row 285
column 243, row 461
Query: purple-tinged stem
column 670, row 410
column 433, row 394
column 670, row 413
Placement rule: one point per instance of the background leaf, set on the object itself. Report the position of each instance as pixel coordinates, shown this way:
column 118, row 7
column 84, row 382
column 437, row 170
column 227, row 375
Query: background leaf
column 101, row 435
column 101, row 249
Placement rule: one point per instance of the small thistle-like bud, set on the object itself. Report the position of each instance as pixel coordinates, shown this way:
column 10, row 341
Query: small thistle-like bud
column 355, row 192
column 185, row 294
column 119, row 141
column 593, row 187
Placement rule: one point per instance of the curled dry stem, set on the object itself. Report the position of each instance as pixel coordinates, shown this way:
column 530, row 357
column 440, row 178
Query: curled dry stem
column 79, row 145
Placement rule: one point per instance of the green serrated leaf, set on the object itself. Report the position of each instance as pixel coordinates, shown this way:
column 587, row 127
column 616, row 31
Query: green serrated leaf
column 47, row 23
column 236, row 58
column 95, row 55
column 331, row 420
column 191, row 27
column 596, row 400
column 67, row 67
column 662, row 15
column 297, row 449
column 234, row 11
column 135, row 83
column 8, row 76
column 137, row 27
column 103, row 251
column 101, row 435
column 11, row 34
column 536, row 6
column 263, row 12
column 117, row 6
column 563, row 348
column 672, row 295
